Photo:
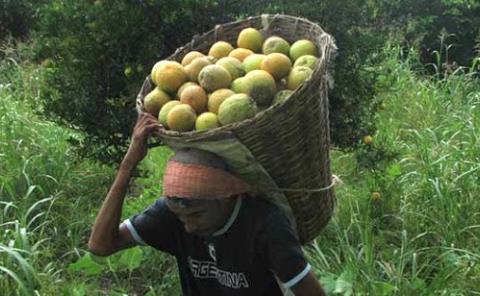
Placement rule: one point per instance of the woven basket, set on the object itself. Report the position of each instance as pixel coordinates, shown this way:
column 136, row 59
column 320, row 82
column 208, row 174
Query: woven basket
column 290, row 141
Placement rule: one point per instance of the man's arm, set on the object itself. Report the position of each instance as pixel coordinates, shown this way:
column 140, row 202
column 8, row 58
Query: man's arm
column 309, row 285
column 107, row 237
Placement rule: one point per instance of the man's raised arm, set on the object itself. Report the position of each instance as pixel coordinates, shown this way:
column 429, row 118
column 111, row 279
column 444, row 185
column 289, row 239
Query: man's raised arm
column 107, row 237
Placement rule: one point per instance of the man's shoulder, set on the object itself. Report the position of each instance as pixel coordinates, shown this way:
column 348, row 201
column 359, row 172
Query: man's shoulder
column 261, row 208
column 158, row 209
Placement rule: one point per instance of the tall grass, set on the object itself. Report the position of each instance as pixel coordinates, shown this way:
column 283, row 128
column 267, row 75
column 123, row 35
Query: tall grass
column 421, row 236
column 46, row 194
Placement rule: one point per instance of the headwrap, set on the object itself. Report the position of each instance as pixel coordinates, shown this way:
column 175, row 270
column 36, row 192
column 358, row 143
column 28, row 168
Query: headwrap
column 197, row 177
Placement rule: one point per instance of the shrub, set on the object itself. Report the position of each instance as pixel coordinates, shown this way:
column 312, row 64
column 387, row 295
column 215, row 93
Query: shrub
column 17, row 17
column 429, row 25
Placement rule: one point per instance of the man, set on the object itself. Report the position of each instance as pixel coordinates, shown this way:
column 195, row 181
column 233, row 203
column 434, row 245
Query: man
column 226, row 241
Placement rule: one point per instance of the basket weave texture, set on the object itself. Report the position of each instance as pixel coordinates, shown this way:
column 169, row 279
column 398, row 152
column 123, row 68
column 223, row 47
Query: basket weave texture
column 290, row 140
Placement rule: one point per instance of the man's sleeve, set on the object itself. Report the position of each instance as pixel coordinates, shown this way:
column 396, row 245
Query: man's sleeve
column 157, row 226
column 283, row 251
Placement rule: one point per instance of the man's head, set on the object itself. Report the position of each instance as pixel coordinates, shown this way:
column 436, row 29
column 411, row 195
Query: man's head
column 200, row 190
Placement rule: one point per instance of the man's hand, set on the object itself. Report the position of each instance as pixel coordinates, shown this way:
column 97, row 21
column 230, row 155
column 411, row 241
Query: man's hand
column 146, row 125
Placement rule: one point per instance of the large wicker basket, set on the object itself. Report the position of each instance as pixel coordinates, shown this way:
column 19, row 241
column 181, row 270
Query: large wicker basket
column 286, row 144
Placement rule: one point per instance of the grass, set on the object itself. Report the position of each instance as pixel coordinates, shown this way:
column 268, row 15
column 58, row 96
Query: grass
column 421, row 236
column 418, row 236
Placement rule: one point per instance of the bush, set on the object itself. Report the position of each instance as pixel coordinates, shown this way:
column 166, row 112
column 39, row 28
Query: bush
column 429, row 25
column 14, row 18
column 17, row 17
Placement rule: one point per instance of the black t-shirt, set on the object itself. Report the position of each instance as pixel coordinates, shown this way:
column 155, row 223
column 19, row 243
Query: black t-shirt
column 256, row 244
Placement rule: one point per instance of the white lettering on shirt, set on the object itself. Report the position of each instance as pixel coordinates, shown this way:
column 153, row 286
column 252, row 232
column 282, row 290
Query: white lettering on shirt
column 209, row 270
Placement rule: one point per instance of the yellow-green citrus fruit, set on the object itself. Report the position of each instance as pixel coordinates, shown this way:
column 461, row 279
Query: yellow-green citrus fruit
column 368, row 140
column 169, row 76
column 217, row 97
column 306, row 61
column 128, row 71
column 196, row 97
column 235, row 108
column 193, row 69
column 189, row 57
column 181, row 118
column 262, row 87
column 206, row 120
column 250, row 38
column 182, row 87
column 214, row 77
column 153, row 74
column 253, row 62
column 154, row 101
column 376, row 196
column 302, row 47
column 162, row 115
column 297, row 76
column 233, row 66
column 276, row 44
column 277, row 64
column 282, row 96
column 220, row 49
column 240, row 53
column 241, row 85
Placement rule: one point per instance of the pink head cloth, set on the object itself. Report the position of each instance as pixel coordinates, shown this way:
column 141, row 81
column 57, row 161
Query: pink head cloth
column 199, row 181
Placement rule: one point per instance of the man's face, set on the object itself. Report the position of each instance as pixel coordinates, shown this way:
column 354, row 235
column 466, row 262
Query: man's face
column 200, row 217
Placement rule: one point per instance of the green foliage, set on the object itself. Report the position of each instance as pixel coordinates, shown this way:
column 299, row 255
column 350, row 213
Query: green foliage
column 127, row 260
column 419, row 236
column 429, row 25
column 45, row 192
column 15, row 18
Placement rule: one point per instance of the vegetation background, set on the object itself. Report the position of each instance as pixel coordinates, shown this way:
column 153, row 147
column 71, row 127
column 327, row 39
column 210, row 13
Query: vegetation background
column 407, row 74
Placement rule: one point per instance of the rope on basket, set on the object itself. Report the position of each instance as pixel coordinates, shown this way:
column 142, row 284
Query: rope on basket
column 335, row 180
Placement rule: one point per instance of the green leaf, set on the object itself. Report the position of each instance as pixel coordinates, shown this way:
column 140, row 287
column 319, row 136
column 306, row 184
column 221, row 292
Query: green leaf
column 76, row 289
column 328, row 283
column 343, row 287
column 87, row 265
column 132, row 258
column 385, row 288
column 418, row 284
column 129, row 259
column 343, row 284
column 394, row 170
